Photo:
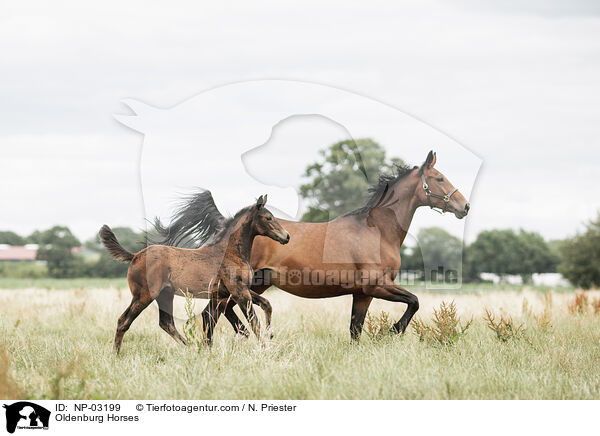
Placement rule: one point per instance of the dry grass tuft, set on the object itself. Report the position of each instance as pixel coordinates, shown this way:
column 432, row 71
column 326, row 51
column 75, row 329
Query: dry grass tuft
column 378, row 326
column 63, row 372
column 580, row 304
column 9, row 388
column 544, row 318
column 192, row 329
column 596, row 305
column 445, row 328
column 504, row 328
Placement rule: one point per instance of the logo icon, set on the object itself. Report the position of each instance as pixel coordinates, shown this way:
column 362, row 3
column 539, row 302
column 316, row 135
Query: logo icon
column 26, row 415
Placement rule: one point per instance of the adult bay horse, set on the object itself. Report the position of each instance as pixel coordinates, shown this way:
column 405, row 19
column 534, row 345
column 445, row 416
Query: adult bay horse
column 357, row 253
column 217, row 271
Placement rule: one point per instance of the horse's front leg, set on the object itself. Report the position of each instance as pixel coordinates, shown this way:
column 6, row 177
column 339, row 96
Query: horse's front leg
column 360, row 306
column 392, row 292
column 260, row 283
column 242, row 296
column 210, row 316
column 209, row 313
column 265, row 305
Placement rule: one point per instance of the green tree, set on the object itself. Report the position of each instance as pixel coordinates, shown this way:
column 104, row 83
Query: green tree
column 535, row 255
column 506, row 252
column 106, row 266
column 34, row 238
column 340, row 178
column 440, row 254
column 56, row 248
column 412, row 259
column 494, row 251
column 11, row 238
column 581, row 257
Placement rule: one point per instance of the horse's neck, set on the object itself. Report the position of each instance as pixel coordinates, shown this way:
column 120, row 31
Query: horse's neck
column 394, row 216
column 239, row 240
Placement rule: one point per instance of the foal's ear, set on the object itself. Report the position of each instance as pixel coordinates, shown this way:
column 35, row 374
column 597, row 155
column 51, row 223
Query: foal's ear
column 261, row 201
column 430, row 161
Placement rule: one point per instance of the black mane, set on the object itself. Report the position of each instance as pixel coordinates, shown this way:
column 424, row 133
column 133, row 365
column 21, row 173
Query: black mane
column 378, row 190
column 227, row 224
column 196, row 219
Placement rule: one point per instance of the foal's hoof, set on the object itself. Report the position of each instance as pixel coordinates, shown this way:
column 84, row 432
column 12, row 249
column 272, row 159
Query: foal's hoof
column 395, row 330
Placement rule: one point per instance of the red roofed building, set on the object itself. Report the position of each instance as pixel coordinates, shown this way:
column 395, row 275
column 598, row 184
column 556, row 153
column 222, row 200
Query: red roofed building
column 16, row 254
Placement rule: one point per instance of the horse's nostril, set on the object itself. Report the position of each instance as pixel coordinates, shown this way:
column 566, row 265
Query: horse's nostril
column 288, row 238
column 467, row 207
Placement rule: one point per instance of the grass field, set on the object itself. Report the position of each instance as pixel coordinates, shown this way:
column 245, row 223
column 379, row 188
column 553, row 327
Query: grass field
column 56, row 342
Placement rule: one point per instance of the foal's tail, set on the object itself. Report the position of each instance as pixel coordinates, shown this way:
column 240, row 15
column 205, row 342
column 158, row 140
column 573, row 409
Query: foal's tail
column 111, row 243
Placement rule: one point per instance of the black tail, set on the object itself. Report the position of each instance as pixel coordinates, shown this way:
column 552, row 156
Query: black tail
column 111, row 243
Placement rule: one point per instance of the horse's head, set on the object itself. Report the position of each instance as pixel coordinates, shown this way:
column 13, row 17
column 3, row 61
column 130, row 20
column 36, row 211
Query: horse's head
column 438, row 192
column 265, row 224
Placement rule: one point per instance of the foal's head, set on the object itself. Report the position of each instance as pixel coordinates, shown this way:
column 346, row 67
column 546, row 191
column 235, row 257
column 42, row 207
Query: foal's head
column 438, row 192
column 264, row 223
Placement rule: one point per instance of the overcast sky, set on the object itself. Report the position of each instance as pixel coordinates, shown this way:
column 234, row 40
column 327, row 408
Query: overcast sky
column 518, row 86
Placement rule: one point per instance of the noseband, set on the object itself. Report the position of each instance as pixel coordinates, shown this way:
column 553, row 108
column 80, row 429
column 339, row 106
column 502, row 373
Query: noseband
column 430, row 194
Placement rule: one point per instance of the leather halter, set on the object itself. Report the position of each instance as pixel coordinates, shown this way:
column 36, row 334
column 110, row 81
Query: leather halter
column 429, row 194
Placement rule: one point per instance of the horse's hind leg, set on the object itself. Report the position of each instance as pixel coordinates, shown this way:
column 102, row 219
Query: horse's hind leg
column 131, row 313
column 165, row 315
column 393, row 292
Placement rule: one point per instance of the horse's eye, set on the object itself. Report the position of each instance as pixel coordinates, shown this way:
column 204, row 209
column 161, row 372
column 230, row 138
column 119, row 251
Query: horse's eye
column 269, row 218
column 440, row 179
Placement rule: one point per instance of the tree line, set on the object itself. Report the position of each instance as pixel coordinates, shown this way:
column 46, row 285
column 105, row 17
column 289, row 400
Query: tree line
column 437, row 256
column 442, row 256
column 57, row 250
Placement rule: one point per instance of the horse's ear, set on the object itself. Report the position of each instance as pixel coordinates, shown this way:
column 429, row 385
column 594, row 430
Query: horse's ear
column 261, row 201
column 430, row 161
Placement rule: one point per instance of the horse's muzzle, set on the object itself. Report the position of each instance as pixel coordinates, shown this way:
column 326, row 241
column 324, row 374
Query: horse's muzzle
column 463, row 213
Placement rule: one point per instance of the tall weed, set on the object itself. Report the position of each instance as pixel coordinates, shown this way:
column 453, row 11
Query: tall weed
column 445, row 328
column 192, row 329
column 504, row 328
column 378, row 326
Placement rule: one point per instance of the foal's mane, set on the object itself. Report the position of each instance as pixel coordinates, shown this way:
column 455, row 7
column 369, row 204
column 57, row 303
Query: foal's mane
column 379, row 189
column 229, row 223
column 197, row 219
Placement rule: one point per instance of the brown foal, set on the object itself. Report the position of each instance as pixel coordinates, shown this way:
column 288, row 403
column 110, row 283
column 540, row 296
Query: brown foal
column 219, row 271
